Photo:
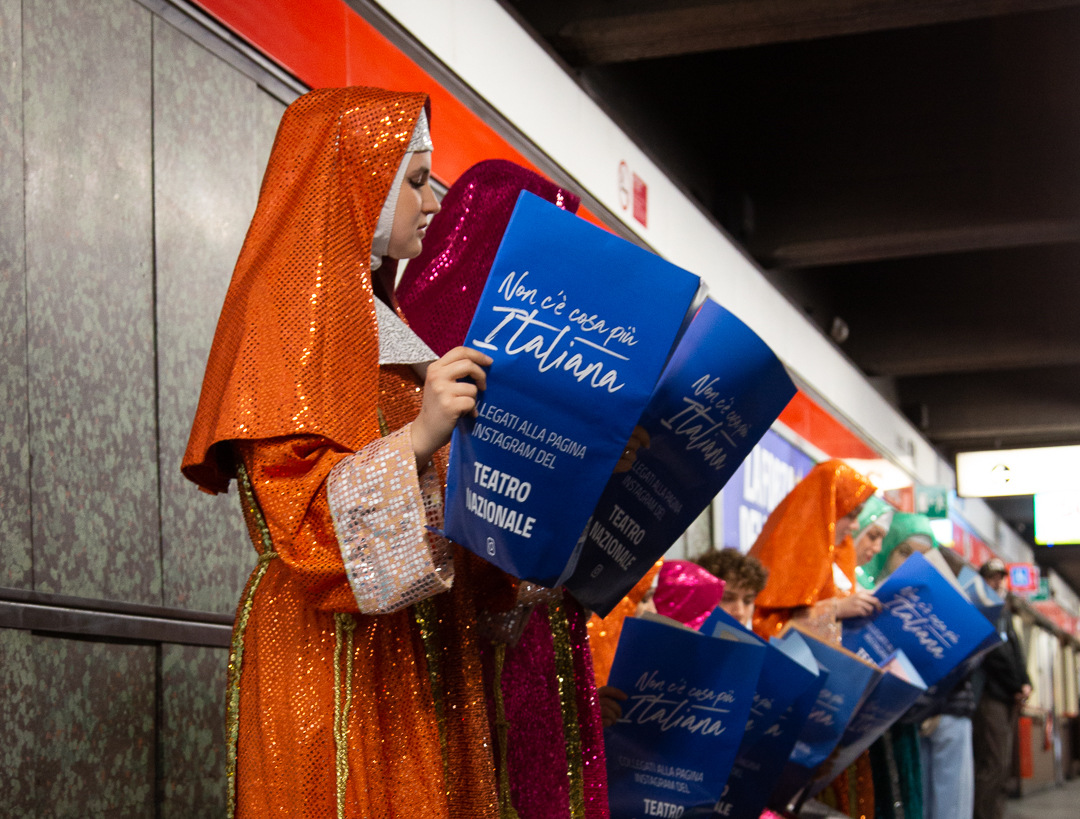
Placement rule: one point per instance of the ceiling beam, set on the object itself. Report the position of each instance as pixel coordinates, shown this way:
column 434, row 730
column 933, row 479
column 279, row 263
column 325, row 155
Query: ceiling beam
column 943, row 353
column 1021, row 406
column 926, row 242
column 1005, row 435
column 667, row 31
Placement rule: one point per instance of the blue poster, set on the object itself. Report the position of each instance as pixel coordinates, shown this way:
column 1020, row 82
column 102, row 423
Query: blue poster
column 987, row 601
column 788, row 687
column 936, row 695
column 718, row 395
column 689, row 697
column 754, row 778
column 897, row 690
column 849, row 683
column 924, row 614
column 765, row 478
column 580, row 324
column 789, row 668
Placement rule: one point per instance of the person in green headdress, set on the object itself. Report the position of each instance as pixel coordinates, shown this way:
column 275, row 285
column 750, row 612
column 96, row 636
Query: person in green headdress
column 898, row 787
column 874, row 522
column 907, row 534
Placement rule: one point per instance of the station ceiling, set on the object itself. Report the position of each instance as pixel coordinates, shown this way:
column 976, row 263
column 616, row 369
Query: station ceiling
column 907, row 173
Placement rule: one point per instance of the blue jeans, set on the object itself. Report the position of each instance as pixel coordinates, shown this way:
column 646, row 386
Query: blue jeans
column 948, row 770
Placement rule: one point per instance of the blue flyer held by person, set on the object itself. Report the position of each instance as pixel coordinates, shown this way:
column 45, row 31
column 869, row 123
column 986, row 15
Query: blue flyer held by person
column 579, row 324
column 689, row 697
column 619, row 402
column 717, row 396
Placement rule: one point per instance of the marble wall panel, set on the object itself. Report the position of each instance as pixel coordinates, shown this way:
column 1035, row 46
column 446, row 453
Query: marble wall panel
column 16, row 568
column 19, row 721
column 89, row 261
column 268, row 112
column 78, row 727
column 192, row 731
column 96, row 752
column 205, row 189
column 100, row 367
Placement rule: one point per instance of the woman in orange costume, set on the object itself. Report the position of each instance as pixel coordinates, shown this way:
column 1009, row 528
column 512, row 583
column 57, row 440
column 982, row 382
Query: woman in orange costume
column 355, row 687
column 806, row 546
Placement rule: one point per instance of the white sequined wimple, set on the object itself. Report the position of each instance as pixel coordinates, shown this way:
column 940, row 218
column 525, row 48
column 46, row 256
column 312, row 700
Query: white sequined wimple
column 398, row 344
column 421, row 135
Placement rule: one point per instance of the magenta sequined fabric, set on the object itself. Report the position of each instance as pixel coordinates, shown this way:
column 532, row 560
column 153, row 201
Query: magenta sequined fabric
column 555, row 750
column 440, row 289
column 537, row 748
column 588, row 706
column 687, row 593
column 535, row 743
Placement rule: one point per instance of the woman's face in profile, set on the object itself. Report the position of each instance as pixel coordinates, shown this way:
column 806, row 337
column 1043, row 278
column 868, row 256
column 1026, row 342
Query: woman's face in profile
column 846, row 525
column 904, row 551
column 416, row 205
column 868, row 544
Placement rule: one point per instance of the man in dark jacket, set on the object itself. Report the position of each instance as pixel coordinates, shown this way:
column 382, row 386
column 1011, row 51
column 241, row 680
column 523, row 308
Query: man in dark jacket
column 1005, row 687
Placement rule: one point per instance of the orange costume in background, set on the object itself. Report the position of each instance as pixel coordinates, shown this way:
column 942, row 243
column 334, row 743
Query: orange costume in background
column 796, row 545
column 332, row 712
column 604, row 631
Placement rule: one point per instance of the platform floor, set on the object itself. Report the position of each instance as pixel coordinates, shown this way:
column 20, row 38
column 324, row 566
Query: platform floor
column 1051, row 803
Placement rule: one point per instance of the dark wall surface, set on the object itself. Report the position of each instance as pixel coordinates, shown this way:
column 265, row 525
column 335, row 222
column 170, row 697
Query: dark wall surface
column 130, row 161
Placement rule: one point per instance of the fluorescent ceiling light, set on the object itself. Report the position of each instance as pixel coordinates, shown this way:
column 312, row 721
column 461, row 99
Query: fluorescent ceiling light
column 998, row 472
column 1057, row 518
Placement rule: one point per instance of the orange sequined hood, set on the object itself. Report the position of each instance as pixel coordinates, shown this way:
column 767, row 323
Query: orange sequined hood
column 296, row 347
column 796, row 544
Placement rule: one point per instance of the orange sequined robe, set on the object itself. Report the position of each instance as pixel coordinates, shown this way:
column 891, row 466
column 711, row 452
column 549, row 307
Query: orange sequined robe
column 331, row 705
column 332, row 713
column 797, row 546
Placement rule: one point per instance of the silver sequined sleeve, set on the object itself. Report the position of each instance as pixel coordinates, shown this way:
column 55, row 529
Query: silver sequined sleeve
column 382, row 509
